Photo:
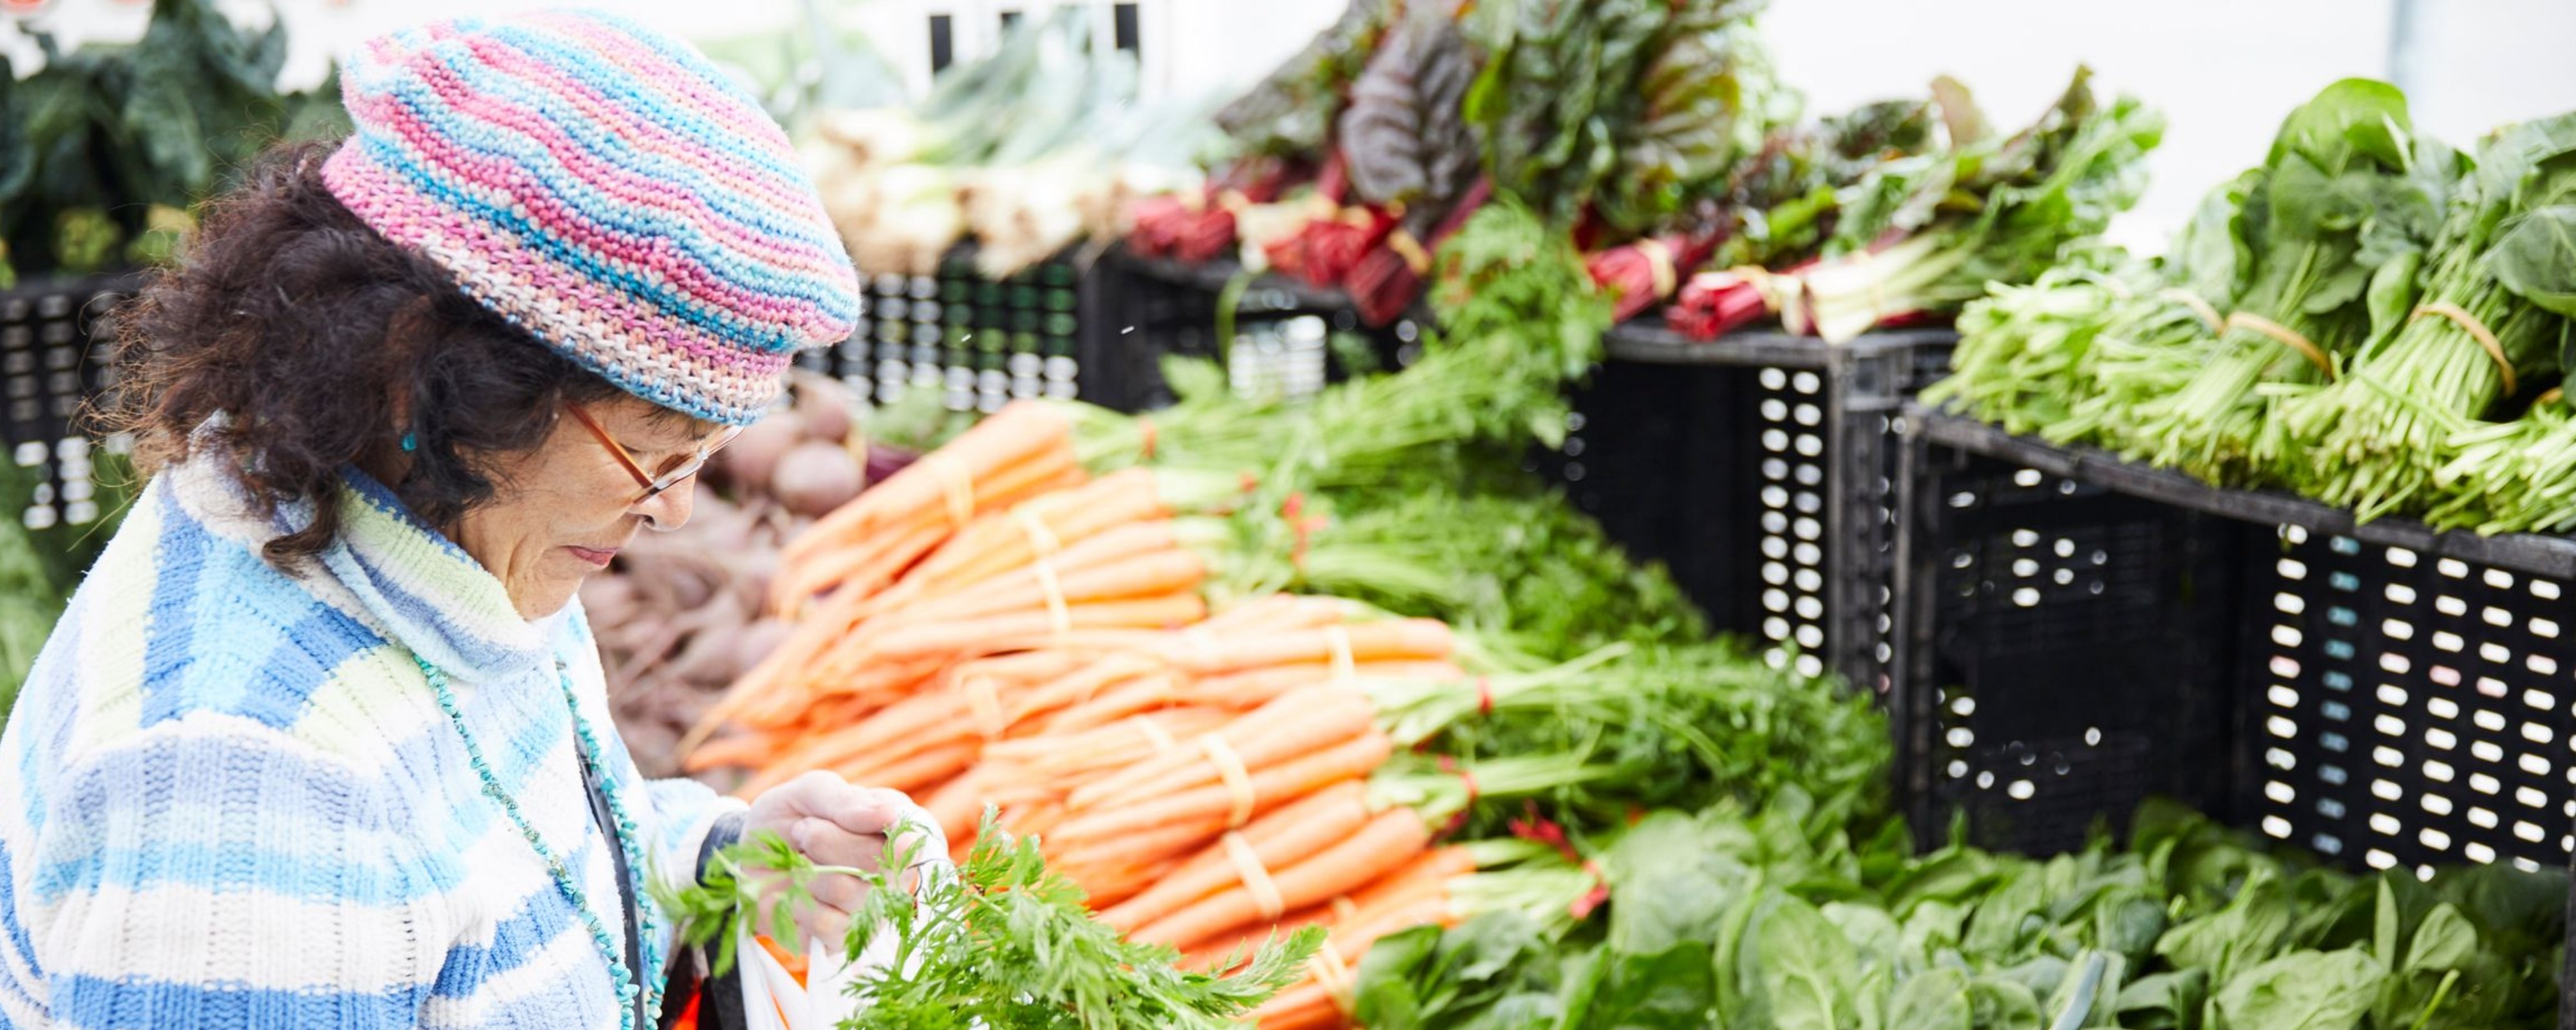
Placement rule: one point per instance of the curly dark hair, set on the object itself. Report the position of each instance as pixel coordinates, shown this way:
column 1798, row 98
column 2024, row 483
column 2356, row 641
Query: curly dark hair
column 302, row 326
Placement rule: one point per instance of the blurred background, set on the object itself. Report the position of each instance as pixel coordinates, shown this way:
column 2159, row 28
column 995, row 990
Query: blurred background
column 2222, row 71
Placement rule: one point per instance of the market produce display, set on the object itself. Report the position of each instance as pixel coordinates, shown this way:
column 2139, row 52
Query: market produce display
column 2369, row 318
column 1027, row 152
column 104, row 149
column 1657, row 136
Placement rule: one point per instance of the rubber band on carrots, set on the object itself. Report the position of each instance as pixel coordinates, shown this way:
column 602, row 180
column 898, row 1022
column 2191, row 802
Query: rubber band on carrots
column 1255, row 877
column 1057, row 612
column 1238, row 780
column 955, row 483
column 1145, row 432
column 2477, row 330
column 1345, row 669
column 1344, row 908
column 986, row 702
column 1333, row 973
column 1484, row 697
column 1041, row 539
column 2285, row 336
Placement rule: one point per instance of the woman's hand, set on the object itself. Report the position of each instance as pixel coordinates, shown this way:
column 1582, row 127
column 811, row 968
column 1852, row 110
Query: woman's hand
column 834, row 824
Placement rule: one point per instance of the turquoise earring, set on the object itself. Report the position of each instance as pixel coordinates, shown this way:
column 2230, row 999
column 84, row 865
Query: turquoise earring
column 410, row 443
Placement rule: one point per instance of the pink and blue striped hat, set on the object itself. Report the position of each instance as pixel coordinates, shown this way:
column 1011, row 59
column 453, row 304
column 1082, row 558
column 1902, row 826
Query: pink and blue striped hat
column 606, row 189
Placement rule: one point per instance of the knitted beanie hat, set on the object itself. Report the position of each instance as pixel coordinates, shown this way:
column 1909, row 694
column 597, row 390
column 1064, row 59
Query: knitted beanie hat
column 606, row 189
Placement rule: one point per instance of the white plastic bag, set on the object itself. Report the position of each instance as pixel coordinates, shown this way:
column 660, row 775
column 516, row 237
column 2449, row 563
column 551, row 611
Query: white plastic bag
column 773, row 1000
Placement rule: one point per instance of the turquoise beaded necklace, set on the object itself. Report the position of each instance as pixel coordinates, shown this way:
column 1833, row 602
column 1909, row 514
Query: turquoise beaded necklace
column 626, row 980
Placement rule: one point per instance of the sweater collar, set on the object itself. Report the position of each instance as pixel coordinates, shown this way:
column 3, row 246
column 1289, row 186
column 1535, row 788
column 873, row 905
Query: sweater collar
column 426, row 592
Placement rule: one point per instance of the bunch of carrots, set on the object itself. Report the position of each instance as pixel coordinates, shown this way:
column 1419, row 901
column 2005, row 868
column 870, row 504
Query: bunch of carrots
column 992, row 627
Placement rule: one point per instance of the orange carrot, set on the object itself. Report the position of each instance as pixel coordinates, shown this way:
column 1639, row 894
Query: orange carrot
column 747, row 748
column 1017, row 433
column 956, row 805
column 1139, row 575
column 1291, row 724
column 1277, row 839
column 1211, row 956
column 1430, row 873
column 911, row 772
column 1271, row 788
column 1001, row 545
column 867, row 566
column 1032, row 628
column 1138, row 694
column 1306, row 1006
column 1367, row 641
column 1387, row 842
column 1161, row 845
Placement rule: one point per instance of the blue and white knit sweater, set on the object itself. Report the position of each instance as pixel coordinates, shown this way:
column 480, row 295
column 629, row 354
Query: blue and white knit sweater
column 228, row 798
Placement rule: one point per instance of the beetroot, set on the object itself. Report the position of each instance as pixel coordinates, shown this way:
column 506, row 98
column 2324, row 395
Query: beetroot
column 815, row 477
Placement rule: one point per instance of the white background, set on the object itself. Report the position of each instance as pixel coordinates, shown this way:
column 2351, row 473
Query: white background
column 2223, row 71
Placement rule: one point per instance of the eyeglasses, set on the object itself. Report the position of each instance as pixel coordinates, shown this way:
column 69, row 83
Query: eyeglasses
column 674, row 471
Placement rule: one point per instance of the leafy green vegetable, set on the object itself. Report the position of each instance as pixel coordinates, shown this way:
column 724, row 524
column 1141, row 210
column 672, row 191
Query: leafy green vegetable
column 1711, row 97
column 1405, row 133
column 1001, row 944
column 1291, row 112
column 91, row 142
column 1558, row 94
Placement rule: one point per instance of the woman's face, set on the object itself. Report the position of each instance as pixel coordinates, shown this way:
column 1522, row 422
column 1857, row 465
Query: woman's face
column 561, row 511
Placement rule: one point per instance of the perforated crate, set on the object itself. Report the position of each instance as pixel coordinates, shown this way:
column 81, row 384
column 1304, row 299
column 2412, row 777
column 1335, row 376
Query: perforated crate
column 1161, row 307
column 980, row 342
column 2080, row 633
column 1759, row 468
column 53, row 361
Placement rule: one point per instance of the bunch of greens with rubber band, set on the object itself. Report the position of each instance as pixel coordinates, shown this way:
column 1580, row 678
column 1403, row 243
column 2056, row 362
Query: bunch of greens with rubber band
column 2333, row 234
column 2490, row 318
column 1002, row 944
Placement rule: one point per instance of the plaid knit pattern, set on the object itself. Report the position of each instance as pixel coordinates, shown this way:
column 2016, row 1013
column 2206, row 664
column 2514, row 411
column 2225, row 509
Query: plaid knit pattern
column 606, row 189
column 232, row 801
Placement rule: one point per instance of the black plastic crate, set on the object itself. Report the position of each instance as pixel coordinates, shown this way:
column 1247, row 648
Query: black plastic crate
column 53, row 359
column 1292, row 334
column 2082, row 632
column 980, row 342
column 1759, row 468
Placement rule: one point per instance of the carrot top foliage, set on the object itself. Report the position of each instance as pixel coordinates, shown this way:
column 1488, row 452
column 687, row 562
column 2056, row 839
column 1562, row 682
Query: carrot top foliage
column 1002, row 944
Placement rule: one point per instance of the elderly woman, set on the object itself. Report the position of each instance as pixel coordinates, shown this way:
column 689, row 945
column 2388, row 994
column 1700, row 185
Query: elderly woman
column 323, row 740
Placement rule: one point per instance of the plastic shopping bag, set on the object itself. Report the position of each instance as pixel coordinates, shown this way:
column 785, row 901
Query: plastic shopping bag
column 771, row 997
